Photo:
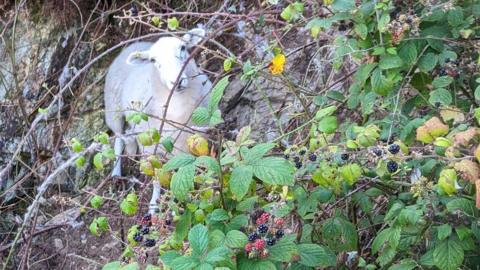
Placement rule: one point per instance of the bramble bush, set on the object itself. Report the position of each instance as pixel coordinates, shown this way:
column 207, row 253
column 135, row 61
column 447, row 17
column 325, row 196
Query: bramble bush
column 387, row 173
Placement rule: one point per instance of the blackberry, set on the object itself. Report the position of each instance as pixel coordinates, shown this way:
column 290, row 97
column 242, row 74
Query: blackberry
column 378, row 152
column 252, row 237
column 286, row 156
column 279, row 233
column 392, row 166
column 342, row 27
column 443, row 72
column 149, row 243
column 302, row 152
column 298, row 165
column 312, row 157
column 138, row 237
column 255, row 215
column 394, row 148
column 145, row 230
column 271, row 241
column 296, row 159
column 147, row 217
column 344, row 156
column 262, row 228
column 168, row 222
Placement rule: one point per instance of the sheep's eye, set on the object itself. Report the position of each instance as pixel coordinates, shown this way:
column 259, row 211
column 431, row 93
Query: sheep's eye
column 152, row 60
column 183, row 48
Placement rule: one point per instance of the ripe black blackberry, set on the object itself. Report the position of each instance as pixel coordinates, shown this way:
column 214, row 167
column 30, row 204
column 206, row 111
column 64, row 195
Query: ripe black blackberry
column 312, row 157
column 145, row 230
column 298, row 165
column 286, row 156
column 138, row 237
column 279, row 233
column 378, row 152
column 252, row 237
column 443, row 72
column 256, row 214
column 392, row 166
column 344, row 156
column 296, row 159
column 394, row 148
column 302, row 152
column 149, row 243
column 262, row 228
column 271, row 241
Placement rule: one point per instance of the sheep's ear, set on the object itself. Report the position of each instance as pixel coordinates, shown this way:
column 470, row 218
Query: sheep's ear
column 194, row 36
column 138, row 57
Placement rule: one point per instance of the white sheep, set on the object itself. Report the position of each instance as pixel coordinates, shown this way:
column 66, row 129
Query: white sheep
column 141, row 79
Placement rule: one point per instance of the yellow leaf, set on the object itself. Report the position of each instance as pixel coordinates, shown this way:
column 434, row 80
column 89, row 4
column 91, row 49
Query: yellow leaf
column 468, row 170
column 197, row 145
column 477, row 153
column 431, row 129
column 447, row 181
column 277, row 64
column 463, row 138
column 452, row 113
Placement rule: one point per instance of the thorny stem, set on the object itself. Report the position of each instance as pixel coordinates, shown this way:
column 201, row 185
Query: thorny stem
column 220, row 176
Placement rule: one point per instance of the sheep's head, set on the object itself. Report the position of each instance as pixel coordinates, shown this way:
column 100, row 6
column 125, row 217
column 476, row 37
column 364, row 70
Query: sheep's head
column 168, row 55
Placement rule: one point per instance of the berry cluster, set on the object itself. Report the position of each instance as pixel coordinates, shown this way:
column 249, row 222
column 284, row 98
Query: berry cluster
column 267, row 230
column 301, row 157
column 143, row 230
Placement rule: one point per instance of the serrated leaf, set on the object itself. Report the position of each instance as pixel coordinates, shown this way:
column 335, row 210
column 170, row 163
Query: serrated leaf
column 274, row 170
column 182, row 181
column 167, row 143
column 116, row 265
column 390, row 62
column 96, row 202
column 389, row 237
column 427, row 62
column 340, row 234
column 129, row 204
column 444, row 231
column 198, row 238
column 283, row 250
column 325, row 112
column 442, row 82
column 219, row 215
column 217, row 254
column 209, row 162
column 179, row 161
column 405, row 264
column 173, row 23
column 448, row 255
column 184, row 263
column 215, row 118
column 361, row 30
column 217, row 93
column 314, row 255
column 255, row 153
column 235, row 239
column 240, row 181
column 440, row 95
column 328, row 124
column 200, row 116
column 98, row 161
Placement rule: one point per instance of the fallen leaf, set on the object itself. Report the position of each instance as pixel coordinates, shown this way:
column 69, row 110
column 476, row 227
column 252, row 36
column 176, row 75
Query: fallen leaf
column 431, row 129
column 463, row 138
column 452, row 113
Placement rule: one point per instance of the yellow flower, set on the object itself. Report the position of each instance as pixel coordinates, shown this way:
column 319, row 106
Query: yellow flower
column 277, row 64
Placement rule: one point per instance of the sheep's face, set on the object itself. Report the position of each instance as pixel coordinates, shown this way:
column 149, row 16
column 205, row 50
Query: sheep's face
column 169, row 54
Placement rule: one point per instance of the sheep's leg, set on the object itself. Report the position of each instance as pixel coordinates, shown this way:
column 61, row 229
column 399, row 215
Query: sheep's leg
column 118, row 148
column 130, row 143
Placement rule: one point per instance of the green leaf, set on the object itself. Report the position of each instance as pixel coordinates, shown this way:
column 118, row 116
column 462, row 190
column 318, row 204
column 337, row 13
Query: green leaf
column 129, row 205
column 167, row 143
column 325, row 112
column 361, row 30
column 257, row 152
column 444, row 231
column 383, row 22
column 178, row 161
column 448, row 255
column 380, row 84
column 340, row 234
column 96, row 202
column 274, row 170
column 390, row 61
column 94, row 228
column 442, row 82
column 227, row 64
column 427, row 62
column 200, row 116
column 217, row 93
column 441, row 95
column 184, row 263
column 463, row 204
column 116, row 265
column 283, row 250
column 389, row 237
column 408, row 53
column 248, row 264
column 405, row 264
column 351, row 173
column 98, row 161
column 328, row 124
column 217, row 254
column 198, row 238
column 173, row 23
column 240, row 181
column 219, row 215
column 102, row 223
column 182, row 226
column 215, row 118
column 182, row 181
column 209, row 162
column 343, row 5
column 316, row 256
column 77, row 146
column 131, row 266
column 247, row 204
column 235, row 239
